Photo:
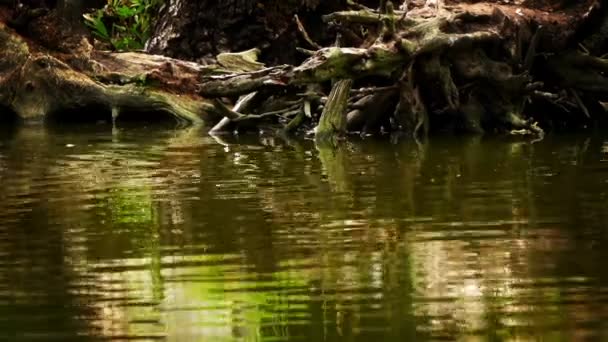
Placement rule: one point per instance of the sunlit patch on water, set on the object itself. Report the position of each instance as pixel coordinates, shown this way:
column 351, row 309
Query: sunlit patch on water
column 171, row 236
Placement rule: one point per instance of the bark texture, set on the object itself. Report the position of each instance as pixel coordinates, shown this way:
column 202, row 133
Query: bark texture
column 199, row 30
column 395, row 67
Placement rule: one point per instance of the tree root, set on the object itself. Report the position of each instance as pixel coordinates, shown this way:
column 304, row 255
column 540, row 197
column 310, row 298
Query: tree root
column 333, row 119
column 37, row 85
column 580, row 71
column 436, row 78
column 370, row 110
column 407, row 72
column 411, row 113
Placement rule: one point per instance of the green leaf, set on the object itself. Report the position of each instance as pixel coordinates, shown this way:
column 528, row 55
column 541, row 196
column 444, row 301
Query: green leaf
column 120, row 28
column 131, row 22
column 98, row 26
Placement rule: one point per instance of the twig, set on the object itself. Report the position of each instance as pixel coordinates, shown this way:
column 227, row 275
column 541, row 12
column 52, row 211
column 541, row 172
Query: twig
column 235, row 116
column 358, row 6
column 254, row 117
column 371, row 90
column 305, row 34
column 295, row 122
column 225, row 111
column 580, row 103
column 275, row 112
column 546, row 95
column 305, row 51
column 221, row 127
column 242, row 104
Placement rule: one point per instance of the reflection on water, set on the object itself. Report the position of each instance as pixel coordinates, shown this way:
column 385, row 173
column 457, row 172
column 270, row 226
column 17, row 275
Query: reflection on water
column 147, row 234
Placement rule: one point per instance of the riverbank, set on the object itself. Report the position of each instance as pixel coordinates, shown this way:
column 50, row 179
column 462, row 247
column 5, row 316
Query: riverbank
column 458, row 67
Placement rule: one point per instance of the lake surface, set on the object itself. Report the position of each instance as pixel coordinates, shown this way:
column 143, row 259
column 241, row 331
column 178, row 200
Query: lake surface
column 165, row 235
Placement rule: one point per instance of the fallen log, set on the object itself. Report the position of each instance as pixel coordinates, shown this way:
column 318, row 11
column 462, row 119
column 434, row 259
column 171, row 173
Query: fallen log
column 38, row 85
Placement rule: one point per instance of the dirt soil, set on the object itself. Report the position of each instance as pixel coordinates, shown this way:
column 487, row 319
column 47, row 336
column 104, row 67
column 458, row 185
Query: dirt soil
column 560, row 19
column 270, row 25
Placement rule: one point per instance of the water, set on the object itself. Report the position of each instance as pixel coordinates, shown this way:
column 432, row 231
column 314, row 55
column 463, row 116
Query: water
column 150, row 234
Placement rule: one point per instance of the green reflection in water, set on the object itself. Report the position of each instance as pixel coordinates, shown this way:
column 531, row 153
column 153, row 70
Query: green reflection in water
column 216, row 301
column 149, row 234
column 130, row 206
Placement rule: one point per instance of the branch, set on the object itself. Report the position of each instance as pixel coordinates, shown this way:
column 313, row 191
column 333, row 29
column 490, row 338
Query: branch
column 304, row 34
column 368, row 17
column 243, row 83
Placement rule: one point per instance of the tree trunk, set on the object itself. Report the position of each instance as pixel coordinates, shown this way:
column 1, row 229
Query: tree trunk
column 199, row 30
column 71, row 11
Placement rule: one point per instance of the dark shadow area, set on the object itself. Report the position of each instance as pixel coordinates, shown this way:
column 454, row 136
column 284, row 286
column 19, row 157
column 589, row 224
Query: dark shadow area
column 8, row 116
column 93, row 113
column 137, row 117
column 102, row 114
column 7, row 132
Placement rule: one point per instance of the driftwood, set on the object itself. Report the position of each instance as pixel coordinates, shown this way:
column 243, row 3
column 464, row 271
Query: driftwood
column 467, row 67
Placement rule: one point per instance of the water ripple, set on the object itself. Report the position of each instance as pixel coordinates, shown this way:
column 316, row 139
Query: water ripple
column 167, row 235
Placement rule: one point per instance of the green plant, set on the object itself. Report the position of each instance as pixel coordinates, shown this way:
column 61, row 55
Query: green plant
column 124, row 24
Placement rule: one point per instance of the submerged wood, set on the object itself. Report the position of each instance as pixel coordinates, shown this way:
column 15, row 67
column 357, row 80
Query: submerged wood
column 333, row 119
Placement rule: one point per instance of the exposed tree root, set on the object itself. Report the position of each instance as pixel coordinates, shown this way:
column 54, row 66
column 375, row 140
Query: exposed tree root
column 36, row 85
column 333, row 119
column 470, row 68
column 411, row 115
